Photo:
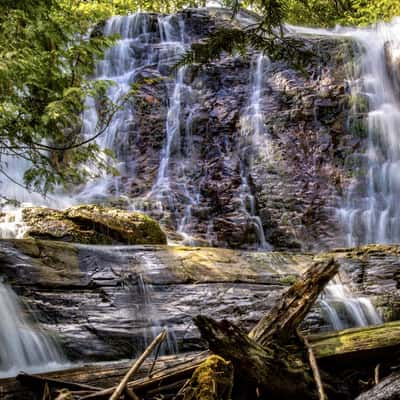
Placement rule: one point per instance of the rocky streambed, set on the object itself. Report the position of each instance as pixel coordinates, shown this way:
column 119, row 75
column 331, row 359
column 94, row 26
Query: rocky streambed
column 105, row 302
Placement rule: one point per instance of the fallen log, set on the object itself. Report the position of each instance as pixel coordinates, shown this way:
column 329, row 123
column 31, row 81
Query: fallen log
column 262, row 359
column 387, row 389
column 267, row 370
column 100, row 375
column 370, row 344
column 157, row 379
column 284, row 318
column 38, row 381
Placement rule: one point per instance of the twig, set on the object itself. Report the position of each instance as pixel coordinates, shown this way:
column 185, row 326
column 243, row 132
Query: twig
column 121, row 387
column 131, row 394
column 155, row 359
column 314, row 368
column 376, row 374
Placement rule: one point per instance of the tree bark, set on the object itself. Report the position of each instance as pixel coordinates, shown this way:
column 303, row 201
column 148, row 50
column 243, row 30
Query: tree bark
column 387, row 389
column 282, row 321
column 270, row 371
column 358, row 345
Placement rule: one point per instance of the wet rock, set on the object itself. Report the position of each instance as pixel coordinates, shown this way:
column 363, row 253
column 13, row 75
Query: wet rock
column 107, row 302
column 392, row 58
column 92, row 224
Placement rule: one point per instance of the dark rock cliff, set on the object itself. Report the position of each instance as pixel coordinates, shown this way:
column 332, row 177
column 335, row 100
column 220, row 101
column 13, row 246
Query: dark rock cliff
column 296, row 171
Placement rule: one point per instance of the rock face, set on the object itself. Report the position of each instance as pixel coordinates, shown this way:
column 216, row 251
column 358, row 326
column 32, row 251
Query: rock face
column 107, row 302
column 92, row 224
column 295, row 170
column 392, row 59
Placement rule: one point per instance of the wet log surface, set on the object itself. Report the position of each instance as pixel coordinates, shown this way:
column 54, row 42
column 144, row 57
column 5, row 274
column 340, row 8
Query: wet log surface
column 358, row 345
column 387, row 389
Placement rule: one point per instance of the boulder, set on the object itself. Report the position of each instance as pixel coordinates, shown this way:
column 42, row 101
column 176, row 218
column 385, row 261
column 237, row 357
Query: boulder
column 92, row 224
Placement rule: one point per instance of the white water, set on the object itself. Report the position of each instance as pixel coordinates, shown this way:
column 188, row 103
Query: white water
column 150, row 312
column 370, row 212
column 23, row 346
column 120, row 65
column 252, row 129
column 343, row 309
column 178, row 133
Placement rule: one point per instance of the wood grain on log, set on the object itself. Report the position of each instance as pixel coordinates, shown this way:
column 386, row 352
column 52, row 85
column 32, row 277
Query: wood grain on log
column 284, row 318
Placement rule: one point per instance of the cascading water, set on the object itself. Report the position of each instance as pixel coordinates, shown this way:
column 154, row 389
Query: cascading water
column 343, row 309
column 252, row 128
column 120, row 65
column 23, row 346
column 173, row 46
column 371, row 213
column 169, row 346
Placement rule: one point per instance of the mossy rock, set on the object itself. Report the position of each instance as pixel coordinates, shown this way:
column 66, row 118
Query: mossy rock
column 92, row 224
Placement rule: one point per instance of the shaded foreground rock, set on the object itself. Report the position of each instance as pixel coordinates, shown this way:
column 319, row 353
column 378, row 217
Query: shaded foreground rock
column 92, row 224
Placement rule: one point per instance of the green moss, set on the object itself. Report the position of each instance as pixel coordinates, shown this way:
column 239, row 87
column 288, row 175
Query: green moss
column 212, row 380
column 92, row 224
column 288, row 280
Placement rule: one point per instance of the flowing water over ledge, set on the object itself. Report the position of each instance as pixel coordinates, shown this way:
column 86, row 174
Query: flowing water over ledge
column 24, row 346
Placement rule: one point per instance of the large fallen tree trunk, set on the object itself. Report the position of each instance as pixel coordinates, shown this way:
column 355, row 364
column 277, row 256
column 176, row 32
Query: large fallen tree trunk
column 262, row 359
column 270, row 371
column 358, row 345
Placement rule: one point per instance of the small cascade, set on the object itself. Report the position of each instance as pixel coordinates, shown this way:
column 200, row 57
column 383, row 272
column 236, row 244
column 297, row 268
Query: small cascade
column 149, row 311
column 11, row 223
column 252, row 128
column 343, row 309
column 23, row 346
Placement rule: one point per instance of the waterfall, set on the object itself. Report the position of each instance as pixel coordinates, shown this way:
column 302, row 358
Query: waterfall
column 343, row 309
column 371, row 213
column 121, row 64
column 23, row 346
column 173, row 46
column 252, row 128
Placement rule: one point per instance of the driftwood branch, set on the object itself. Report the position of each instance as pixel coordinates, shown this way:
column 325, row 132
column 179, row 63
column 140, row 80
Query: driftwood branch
column 136, row 365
